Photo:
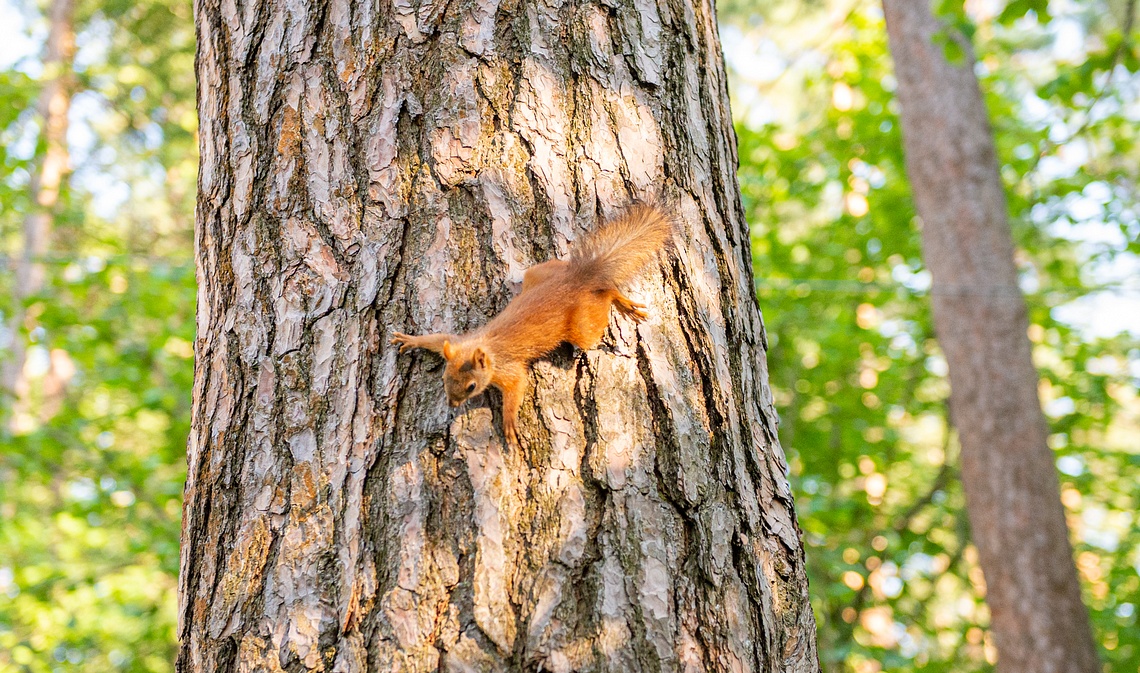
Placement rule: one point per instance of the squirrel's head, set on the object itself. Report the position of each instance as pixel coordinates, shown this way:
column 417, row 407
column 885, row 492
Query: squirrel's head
column 468, row 372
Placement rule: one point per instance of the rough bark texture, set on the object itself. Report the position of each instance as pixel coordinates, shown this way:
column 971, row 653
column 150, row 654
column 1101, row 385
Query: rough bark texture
column 372, row 168
column 52, row 109
column 1013, row 503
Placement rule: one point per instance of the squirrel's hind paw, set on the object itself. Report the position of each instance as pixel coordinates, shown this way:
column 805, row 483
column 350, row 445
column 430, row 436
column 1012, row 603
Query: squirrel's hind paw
column 635, row 311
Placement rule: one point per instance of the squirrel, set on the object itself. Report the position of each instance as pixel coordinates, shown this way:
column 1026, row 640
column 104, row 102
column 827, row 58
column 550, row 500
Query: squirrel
column 562, row 300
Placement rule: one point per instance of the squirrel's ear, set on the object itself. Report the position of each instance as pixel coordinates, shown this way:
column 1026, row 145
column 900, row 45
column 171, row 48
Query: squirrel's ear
column 479, row 358
column 448, row 351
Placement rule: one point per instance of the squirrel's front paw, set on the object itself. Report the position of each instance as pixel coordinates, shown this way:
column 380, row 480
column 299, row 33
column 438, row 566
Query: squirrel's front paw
column 512, row 434
column 405, row 341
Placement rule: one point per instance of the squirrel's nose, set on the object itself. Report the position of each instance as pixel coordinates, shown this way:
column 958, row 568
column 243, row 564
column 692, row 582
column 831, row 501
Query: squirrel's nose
column 453, row 403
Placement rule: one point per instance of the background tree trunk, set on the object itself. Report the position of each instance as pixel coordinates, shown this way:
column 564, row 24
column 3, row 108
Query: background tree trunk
column 1008, row 475
column 46, row 182
column 372, row 168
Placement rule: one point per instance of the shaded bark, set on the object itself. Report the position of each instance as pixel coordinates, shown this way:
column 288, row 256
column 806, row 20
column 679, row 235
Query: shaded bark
column 1012, row 498
column 52, row 108
column 368, row 169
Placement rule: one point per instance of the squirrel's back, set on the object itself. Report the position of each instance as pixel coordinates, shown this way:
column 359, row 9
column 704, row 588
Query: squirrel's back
column 618, row 250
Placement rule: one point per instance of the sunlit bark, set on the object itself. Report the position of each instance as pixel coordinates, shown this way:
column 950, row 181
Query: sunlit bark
column 368, row 169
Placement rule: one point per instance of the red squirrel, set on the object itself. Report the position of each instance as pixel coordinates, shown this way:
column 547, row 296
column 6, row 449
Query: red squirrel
column 561, row 300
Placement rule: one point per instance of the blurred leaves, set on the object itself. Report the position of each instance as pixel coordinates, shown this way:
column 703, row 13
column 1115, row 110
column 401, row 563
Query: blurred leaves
column 855, row 367
column 92, row 467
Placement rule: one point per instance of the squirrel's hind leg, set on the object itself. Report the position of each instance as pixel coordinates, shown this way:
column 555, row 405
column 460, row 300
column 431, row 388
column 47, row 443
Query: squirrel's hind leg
column 589, row 324
column 540, row 273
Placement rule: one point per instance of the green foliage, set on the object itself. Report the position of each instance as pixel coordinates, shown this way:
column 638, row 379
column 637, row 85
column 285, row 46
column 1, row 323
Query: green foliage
column 1016, row 9
column 856, row 369
column 93, row 494
column 92, row 460
column 21, row 91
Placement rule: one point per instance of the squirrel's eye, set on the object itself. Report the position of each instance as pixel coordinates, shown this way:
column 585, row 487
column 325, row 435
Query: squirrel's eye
column 471, row 387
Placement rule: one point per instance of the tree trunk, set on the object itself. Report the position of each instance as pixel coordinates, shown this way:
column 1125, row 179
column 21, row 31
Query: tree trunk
column 370, row 169
column 52, row 109
column 1014, row 507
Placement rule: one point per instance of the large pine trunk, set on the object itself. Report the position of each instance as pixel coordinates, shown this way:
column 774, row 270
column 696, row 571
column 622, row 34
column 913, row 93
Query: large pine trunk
column 370, row 169
column 1012, row 499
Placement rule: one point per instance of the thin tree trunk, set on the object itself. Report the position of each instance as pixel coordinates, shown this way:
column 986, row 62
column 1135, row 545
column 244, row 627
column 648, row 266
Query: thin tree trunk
column 367, row 169
column 52, row 108
column 1014, row 507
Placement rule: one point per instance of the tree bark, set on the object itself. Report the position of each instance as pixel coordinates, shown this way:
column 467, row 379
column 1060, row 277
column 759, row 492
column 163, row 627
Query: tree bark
column 1012, row 498
column 52, row 108
column 372, row 168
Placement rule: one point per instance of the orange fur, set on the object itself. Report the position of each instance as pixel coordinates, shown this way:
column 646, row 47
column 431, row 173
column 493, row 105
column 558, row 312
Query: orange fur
column 561, row 300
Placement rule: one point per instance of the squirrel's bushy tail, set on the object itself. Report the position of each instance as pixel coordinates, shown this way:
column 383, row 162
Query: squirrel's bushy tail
column 619, row 249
